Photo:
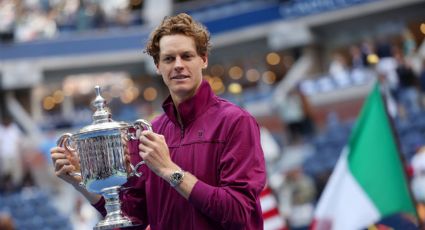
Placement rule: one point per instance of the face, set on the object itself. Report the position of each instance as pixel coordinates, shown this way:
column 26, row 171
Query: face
column 180, row 66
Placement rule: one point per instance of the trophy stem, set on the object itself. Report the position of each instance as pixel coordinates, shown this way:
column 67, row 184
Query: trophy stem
column 114, row 217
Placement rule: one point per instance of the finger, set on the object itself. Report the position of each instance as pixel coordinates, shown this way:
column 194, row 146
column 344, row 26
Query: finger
column 57, row 156
column 146, row 141
column 60, row 163
column 57, row 149
column 65, row 170
column 143, row 148
column 149, row 135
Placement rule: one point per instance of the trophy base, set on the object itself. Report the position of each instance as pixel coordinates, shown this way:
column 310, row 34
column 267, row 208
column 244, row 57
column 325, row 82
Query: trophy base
column 116, row 223
column 114, row 218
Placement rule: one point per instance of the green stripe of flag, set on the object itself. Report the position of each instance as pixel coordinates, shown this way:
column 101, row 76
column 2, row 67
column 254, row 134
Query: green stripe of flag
column 374, row 160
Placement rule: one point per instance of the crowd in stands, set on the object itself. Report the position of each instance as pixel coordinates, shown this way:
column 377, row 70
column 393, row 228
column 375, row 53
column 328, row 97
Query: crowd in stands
column 299, row 175
column 25, row 20
column 298, row 168
column 28, row 183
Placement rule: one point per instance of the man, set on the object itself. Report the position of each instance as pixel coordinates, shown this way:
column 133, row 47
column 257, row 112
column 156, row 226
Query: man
column 205, row 166
column 11, row 168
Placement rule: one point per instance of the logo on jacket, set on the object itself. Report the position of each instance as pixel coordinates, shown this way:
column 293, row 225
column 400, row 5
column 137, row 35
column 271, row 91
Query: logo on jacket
column 201, row 134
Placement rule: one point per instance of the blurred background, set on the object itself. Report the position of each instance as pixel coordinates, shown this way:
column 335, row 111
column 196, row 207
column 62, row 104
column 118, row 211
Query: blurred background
column 301, row 67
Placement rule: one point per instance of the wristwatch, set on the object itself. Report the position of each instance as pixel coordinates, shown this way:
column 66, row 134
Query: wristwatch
column 176, row 178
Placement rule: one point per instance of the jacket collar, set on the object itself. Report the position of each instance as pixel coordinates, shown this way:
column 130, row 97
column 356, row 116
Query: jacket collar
column 193, row 107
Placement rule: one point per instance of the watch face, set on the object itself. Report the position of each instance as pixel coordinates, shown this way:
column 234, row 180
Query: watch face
column 176, row 178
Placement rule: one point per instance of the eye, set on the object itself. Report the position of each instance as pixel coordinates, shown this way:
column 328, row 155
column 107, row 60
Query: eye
column 168, row 59
column 187, row 56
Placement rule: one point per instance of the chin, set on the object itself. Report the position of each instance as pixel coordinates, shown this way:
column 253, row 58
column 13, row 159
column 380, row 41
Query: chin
column 182, row 89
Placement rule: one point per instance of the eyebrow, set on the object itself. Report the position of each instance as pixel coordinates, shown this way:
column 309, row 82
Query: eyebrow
column 173, row 53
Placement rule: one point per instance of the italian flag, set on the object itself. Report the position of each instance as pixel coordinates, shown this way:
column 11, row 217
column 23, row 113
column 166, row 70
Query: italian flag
column 368, row 182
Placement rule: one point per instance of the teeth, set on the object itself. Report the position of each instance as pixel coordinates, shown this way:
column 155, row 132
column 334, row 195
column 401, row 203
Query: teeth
column 179, row 77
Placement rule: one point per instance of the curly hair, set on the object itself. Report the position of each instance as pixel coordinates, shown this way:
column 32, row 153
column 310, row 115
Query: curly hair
column 179, row 24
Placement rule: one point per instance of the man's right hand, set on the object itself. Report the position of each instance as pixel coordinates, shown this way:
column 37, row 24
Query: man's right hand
column 65, row 164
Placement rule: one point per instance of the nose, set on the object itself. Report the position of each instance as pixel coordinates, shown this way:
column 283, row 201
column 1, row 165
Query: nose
column 178, row 64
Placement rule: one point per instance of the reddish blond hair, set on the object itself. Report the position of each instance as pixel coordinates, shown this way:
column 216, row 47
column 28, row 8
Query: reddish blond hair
column 179, row 24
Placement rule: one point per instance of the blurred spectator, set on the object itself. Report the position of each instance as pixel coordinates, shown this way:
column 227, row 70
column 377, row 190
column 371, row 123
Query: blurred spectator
column 292, row 114
column 85, row 16
column 84, row 216
column 387, row 66
column 407, row 93
column 10, row 150
column 396, row 221
column 48, row 142
column 6, row 184
column 409, row 43
column 367, row 48
column 28, row 179
column 296, row 197
column 28, row 20
column 6, row 222
column 66, row 14
column 338, row 69
column 320, row 179
column 270, row 146
column 8, row 17
column 155, row 10
column 418, row 180
column 422, row 83
column 308, row 123
column 295, row 113
column 34, row 23
column 41, row 166
column 358, row 59
column 98, row 18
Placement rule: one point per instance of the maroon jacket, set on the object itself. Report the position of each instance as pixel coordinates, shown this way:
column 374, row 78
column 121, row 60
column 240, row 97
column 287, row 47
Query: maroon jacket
column 219, row 143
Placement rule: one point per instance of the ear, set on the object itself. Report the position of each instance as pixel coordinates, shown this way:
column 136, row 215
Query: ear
column 157, row 69
column 205, row 59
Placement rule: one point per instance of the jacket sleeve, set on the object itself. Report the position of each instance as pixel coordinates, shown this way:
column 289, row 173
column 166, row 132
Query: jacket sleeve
column 242, row 177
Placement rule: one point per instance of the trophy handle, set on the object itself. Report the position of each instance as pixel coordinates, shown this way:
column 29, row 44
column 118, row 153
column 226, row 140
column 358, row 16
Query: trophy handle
column 65, row 141
column 139, row 125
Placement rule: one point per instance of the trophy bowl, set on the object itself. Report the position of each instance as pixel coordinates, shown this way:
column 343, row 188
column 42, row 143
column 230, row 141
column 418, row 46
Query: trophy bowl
column 100, row 148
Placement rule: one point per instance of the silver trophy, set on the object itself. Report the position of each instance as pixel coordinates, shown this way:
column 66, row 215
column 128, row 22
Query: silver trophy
column 100, row 148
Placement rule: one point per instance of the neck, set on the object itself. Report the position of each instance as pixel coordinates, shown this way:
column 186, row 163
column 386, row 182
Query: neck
column 177, row 101
column 179, row 119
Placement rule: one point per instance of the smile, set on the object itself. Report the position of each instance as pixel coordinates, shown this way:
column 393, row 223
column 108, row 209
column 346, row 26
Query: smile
column 178, row 77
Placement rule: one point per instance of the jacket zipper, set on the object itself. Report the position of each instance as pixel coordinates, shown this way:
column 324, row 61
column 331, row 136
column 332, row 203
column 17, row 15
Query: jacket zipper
column 181, row 134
